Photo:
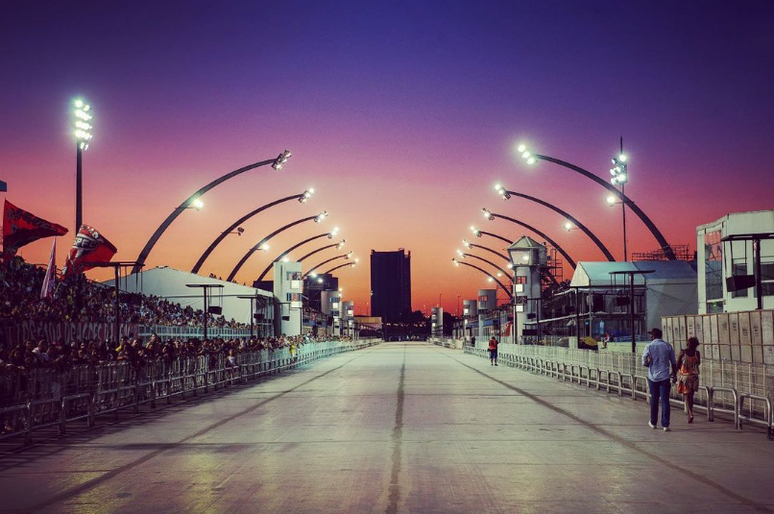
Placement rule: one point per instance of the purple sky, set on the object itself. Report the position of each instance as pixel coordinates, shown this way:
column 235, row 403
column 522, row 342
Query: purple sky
column 402, row 115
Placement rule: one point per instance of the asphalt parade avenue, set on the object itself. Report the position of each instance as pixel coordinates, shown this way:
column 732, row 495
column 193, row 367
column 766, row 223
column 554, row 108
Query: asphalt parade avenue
column 396, row 428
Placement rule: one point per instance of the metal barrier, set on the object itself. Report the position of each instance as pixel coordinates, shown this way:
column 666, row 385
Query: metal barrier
column 50, row 398
column 767, row 422
column 609, row 371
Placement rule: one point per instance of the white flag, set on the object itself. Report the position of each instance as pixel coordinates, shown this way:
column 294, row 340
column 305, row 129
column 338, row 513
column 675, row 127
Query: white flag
column 47, row 291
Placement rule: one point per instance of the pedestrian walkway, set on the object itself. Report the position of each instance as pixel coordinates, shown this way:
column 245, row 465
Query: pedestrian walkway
column 400, row 427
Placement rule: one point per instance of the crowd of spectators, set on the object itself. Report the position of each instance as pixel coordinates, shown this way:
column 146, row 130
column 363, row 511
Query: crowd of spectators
column 26, row 364
column 20, row 299
column 39, row 354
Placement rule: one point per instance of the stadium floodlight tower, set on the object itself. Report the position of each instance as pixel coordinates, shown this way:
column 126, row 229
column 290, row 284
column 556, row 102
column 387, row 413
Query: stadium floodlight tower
column 528, row 258
column 83, row 115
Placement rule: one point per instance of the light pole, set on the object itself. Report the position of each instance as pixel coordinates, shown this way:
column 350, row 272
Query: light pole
column 631, row 275
column 338, row 246
column 491, row 216
column 479, row 233
column 620, row 175
column 470, row 245
column 473, row 256
column 532, row 158
column 205, row 289
column 277, row 163
column 350, row 264
column 301, row 197
column 329, row 235
column 83, row 133
column 506, row 195
column 491, row 277
column 263, row 243
column 347, row 256
column 253, row 299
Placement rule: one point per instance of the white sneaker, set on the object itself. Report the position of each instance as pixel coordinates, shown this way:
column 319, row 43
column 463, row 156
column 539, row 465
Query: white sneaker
column 666, row 429
column 651, row 425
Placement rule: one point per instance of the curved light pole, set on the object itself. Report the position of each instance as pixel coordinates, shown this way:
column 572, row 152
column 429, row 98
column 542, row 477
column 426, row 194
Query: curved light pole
column 276, row 163
column 338, row 245
column 302, row 197
column 457, row 263
column 329, row 235
column 532, row 158
column 260, row 244
column 350, row 264
column 506, row 194
column 470, row 245
column 479, row 233
column 464, row 255
column 323, row 263
column 491, row 216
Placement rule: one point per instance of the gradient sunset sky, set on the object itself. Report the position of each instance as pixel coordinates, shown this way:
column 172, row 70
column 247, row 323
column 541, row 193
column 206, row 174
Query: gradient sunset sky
column 402, row 115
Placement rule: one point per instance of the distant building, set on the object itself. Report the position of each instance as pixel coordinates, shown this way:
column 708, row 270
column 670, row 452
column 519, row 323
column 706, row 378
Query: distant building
column 390, row 284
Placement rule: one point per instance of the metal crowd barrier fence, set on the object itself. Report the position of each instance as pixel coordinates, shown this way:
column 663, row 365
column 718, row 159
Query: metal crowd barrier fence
column 50, row 397
column 619, row 373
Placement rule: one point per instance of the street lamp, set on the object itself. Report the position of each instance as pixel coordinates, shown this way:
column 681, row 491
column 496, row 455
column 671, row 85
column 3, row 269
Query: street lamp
column 206, row 289
column 506, row 194
column 281, row 159
column 491, row 216
column 263, row 243
column 491, row 277
column 338, row 246
column 620, row 176
column 479, row 233
column 329, row 235
column 230, row 229
column 350, row 264
column 470, row 246
column 499, row 269
column 275, row 163
column 82, row 115
column 347, row 256
column 532, row 158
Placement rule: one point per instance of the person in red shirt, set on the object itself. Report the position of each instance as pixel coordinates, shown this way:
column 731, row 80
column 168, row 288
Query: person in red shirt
column 493, row 351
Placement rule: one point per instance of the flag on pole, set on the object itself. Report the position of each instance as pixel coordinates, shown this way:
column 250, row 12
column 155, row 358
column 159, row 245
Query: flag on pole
column 21, row 227
column 49, row 281
column 90, row 248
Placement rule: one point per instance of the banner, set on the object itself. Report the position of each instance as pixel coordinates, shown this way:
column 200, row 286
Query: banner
column 15, row 332
column 21, row 227
column 90, row 248
column 49, row 281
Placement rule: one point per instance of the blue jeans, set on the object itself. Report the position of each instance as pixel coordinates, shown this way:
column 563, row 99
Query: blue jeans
column 659, row 391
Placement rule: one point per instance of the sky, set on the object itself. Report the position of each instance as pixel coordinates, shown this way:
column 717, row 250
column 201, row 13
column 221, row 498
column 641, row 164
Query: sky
column 402, row 116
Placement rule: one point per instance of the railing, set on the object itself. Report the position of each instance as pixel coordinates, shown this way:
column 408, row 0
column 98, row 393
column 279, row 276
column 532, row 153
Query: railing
column 49, row 397
column 172, row 331
column 619, row 373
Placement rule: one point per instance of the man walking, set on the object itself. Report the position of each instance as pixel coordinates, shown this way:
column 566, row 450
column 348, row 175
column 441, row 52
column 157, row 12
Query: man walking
column 493, row 351
column 659, row 358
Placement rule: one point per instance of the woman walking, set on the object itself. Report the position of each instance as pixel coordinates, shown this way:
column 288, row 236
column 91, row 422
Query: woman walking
column 688, row 374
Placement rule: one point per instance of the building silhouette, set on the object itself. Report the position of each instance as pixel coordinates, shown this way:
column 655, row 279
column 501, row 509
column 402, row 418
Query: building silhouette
column 390, row 284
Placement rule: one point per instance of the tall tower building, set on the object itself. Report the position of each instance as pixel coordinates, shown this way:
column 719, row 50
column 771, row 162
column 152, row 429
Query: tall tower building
column 390, row 283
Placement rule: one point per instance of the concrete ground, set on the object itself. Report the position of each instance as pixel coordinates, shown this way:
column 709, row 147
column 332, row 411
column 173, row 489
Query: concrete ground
column 397, row 428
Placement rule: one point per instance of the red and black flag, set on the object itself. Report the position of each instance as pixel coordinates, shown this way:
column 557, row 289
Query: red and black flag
column 90, row 248
column 21, row 227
